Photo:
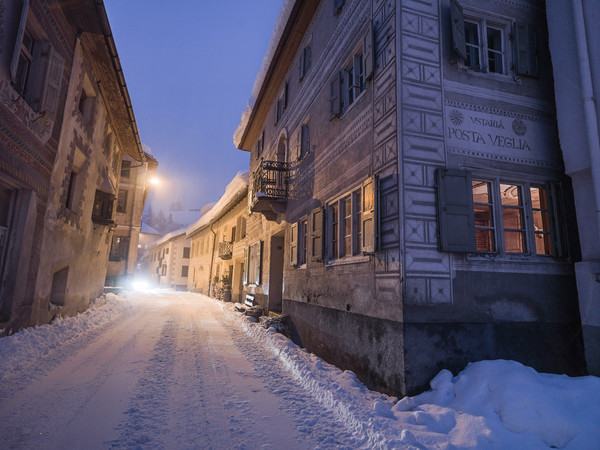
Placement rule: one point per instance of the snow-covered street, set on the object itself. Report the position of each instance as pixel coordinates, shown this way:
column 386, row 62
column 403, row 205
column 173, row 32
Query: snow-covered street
column 164, row 369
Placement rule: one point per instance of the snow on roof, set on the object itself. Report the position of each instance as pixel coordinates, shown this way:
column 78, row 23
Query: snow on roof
column 236, row 188
column 282, row 18
column 147, row 229
column 168, row 237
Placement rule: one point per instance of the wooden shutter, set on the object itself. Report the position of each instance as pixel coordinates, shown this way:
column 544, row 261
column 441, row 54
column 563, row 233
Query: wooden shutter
column 301, row 64
column 335, row 105
column 285, row 95
column 298, row 143
column 294, row 244
column 526, row 49
column 317, row 235
column 305, row 145
column 245, row 268
column 238, row 229
column 458, row 28
column 52, row 85
column 337, row 5
column 307, row 57
column 368, row 216
column 258, row 271
column 19, row 41
column 356, row 75
column 369, row 53
column 456, row 221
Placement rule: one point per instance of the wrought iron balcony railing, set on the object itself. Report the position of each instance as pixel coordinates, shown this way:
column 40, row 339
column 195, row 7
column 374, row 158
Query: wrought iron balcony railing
column 272, row 180
column 225, row 250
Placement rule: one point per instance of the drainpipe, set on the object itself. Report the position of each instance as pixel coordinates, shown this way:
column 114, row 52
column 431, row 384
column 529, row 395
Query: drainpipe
column 212, row 258
column 587, row 95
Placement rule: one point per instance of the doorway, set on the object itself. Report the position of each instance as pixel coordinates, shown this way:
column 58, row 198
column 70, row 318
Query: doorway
column 276, row 272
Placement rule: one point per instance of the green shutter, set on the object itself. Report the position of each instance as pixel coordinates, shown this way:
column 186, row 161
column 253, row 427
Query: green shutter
column 456, row 222
column 526, row 48
column 369, row 215
column 317, row 235
column 294, row 244
column 19, row 40
column 335, row 106
column 369, row 53
column 458, row 29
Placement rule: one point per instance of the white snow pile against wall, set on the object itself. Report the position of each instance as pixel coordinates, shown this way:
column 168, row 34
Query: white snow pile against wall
column 22, row 355
column 282, row 18
column 490, row 404
column 234, row 189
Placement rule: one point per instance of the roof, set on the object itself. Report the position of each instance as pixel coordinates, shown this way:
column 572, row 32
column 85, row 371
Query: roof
column 89, row 19
column 147, row 229
column 236, row 190
column 168, row 237
column 288, row 33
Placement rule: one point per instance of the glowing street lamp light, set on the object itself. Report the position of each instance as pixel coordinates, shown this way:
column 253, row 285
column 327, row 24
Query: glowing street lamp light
column 154, row 181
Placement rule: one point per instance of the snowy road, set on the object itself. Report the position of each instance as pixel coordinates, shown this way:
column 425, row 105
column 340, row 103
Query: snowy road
column 173, row 371
column 167, row 370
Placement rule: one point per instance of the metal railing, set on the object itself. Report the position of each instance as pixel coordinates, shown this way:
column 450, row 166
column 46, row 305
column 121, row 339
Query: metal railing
column 272, row 180
column 225, row 250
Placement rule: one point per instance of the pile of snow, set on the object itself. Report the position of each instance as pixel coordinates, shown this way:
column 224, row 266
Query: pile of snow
column 282, row 18
column 490, row 404
column 38, row 349
column 236, row 188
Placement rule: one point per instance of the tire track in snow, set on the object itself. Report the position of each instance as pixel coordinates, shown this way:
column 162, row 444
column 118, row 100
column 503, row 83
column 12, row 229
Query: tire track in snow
column 322, row 425
column 146, row 418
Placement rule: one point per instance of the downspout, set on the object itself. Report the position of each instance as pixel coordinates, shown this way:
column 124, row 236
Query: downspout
column 212, row 258
column 587, row 95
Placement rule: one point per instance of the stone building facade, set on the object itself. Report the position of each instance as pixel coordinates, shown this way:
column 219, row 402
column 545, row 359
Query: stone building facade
column 219, row 257
column 126, row 241
column 65, row 124
column 404, row 157
column 168, row 260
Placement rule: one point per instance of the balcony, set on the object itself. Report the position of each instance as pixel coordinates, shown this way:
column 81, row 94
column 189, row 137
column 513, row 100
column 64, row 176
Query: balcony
column 271, row 188
column 225, row 250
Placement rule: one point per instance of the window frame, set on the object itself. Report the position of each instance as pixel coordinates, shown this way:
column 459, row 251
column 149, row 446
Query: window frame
column 337, row 220
column 527, row 209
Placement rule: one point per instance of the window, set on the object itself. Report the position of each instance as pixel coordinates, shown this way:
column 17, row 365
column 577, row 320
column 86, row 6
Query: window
column 122, row 201
column 260, row 145
column 184, row 271
column 125, row 169
column 164, row 270
column 70, row 202
column 348, row 84
column 186, row 252
column 495, row 216
column 305, row 60
column 338, row 5
column 303, row 141
column 281, row 103
column 103, row 208
column 481, row 41
column 119, row 249
column 36, row 67
column 351, row 222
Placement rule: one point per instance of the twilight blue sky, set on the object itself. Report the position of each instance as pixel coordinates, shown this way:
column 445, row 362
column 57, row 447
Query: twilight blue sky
column 189, row 67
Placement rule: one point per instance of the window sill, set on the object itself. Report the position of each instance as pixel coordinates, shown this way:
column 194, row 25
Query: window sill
column 503, row 77
column 357, row 259
column 513, row 263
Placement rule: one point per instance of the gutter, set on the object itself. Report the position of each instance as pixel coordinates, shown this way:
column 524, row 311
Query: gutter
column 212, row 258
column 116, row 63
column 589, row 104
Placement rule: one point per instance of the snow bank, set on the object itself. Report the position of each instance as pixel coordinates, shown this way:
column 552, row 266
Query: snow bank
column 237, row 187
column 282, row 18
column 490, row 404
column 40, row 347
